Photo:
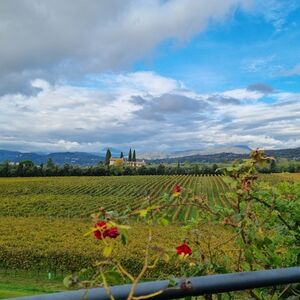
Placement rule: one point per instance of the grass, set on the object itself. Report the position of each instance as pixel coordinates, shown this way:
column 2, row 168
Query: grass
column 21, row 283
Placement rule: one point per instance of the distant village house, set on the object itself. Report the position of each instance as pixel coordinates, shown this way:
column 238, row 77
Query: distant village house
column 116, row 161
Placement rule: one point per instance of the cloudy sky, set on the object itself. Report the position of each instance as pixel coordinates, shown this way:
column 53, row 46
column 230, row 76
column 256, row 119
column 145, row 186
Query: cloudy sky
column 155, row 75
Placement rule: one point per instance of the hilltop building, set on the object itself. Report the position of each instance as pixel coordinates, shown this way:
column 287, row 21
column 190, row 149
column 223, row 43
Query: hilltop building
column 117, row 161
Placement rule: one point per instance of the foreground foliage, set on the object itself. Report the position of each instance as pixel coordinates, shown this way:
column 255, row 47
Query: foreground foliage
column 42, row 223
column 264, row 224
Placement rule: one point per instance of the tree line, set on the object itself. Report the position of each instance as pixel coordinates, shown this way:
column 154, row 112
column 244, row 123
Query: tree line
column 28, row 169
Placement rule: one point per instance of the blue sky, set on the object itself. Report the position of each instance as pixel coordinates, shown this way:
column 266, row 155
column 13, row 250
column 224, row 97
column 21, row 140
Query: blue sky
column 245, row 48
column 152, row 75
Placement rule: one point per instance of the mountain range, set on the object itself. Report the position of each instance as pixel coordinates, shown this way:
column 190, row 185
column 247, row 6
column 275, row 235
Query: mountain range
column 60, row 158
column 238, row 149
column 208, row 155
column 217, row 157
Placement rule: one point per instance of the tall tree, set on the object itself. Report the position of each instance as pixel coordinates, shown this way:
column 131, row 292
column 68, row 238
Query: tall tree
column 121, row 155
column 133, row 156
column 107, row 157
column 130, row 155
column 50, row 164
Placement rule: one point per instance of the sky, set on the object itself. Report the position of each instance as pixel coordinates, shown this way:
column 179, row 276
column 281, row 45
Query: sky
column 154, row 75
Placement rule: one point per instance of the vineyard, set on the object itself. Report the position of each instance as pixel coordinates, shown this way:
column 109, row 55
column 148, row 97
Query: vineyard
column 70, row 197
column 43, row 220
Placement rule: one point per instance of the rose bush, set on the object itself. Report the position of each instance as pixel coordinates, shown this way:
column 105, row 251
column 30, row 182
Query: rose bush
column 262, row 223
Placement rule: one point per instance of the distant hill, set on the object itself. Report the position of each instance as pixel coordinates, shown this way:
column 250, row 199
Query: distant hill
column 59, row 158
column 203, row 156
column 229, row 156
column 238, row 149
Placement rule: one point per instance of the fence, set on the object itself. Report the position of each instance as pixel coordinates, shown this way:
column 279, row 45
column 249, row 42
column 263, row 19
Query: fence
column 194, row 286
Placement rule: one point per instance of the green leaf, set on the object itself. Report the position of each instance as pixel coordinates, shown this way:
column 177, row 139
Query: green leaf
column 113, row 224
column 163, row 221
column 172, row 282
column 113, row 277
column 68, row 282
column 246, row 267
column 143, row 213
column 124, row 238
column 249, row 256
column 107, row 251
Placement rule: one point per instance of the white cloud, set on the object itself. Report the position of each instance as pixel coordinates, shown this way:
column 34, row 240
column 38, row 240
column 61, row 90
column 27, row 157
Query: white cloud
column 48, row 39
column 140, row 82
column 243, row 94
column 134, row 109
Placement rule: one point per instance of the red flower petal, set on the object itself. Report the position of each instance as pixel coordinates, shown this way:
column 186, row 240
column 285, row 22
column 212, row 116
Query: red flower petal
column 183, row 249
column 113, row 232
column 176, row 189
column 101, row 234
column 101, row 224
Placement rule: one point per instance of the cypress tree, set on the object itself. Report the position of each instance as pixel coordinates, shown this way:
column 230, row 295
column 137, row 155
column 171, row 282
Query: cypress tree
column 133, row 156
column 50, row 164
column 130, row 155
column 107, row 157
column 121, row 155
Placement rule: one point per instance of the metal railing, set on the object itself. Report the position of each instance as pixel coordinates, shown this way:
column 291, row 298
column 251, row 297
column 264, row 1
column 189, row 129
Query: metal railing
column 194, row 286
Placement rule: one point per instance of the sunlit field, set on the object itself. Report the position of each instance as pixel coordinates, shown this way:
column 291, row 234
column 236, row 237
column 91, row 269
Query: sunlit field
column 43, row 220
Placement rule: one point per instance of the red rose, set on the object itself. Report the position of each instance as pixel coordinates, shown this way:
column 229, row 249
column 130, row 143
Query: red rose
column 102, row 233
column 176, row 189
column 183, row 249
column 101, row 224
column 113, row 232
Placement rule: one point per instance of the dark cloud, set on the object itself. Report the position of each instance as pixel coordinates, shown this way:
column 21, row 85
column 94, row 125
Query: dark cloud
column 223, row 100
column 19, row 82
column 261, row 87
column 67, row 39
column 171, row 103
column 138, row 100
column 168, row 106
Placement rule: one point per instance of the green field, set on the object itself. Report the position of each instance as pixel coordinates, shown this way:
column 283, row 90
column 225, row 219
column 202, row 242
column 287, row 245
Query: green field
column 43, row 220
column 69, row 197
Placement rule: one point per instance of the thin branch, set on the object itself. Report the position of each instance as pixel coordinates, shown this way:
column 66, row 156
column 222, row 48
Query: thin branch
column 106, row 286
column 154, row 263
column 285, row 289
column 147, row 296
column 144, row 269
column 239, row 261
column 122, row 270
